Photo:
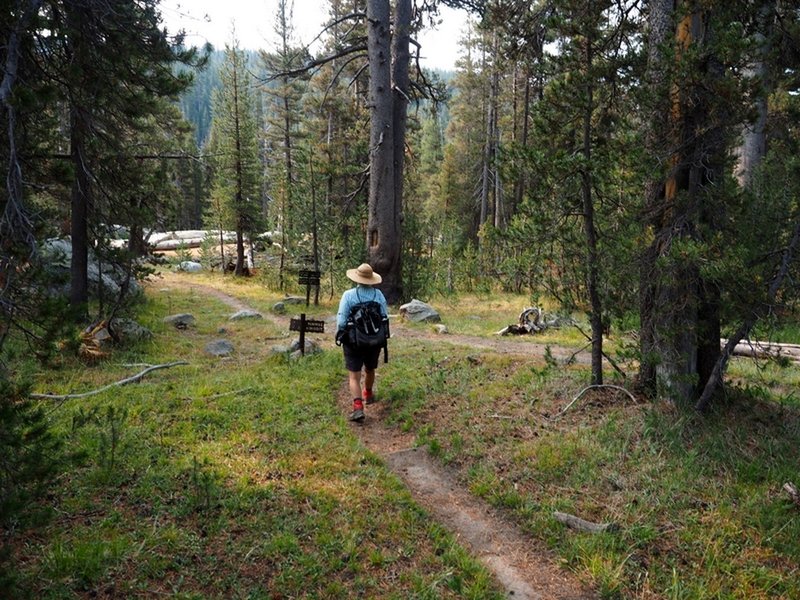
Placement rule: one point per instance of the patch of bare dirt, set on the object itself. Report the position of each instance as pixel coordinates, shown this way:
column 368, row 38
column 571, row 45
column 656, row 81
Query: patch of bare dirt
column 522, row 565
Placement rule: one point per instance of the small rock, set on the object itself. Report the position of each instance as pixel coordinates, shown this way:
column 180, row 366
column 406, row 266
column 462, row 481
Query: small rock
column 311, row 346
column 279, row 308
column 219, row 348
column 441, row 328
column 180, row 321
column 128, row 330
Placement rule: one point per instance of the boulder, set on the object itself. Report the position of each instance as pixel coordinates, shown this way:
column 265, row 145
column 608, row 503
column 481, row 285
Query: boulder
column 56, row 255
column 279, row 308
column 219, row 348
column 190, row 266
column 419, row 311
column 294, row 300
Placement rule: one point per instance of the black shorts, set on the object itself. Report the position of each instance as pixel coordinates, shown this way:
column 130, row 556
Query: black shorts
column 355, row 359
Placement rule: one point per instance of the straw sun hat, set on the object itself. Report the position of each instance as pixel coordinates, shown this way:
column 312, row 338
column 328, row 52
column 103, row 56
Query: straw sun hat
column 364, row 274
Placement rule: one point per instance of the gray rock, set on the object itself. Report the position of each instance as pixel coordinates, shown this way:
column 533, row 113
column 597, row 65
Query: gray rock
column 190, row 266
column 105, row 278
column 219, row 348
column 293, row 350
column 419, row 311
column 102, row 336
column 294, row 300
column 279, row 308
column 128, row 330
column 180, row 321
column 246, row 314
column 311, row 346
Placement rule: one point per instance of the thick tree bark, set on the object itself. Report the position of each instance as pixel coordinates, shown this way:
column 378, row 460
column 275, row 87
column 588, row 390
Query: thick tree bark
column 679, row 310
column 660, row 30
column 383, row 226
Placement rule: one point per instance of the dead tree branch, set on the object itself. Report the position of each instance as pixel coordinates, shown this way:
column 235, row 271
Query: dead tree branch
column 715, row 380
column 574, row 522
column 125, row 381
column 594, row 387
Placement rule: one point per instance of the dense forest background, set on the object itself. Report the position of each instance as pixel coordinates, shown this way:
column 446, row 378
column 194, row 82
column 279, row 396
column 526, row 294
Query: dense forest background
column 632, row 160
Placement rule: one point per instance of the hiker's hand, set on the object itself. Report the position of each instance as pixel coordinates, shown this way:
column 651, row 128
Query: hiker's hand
column 339, row 336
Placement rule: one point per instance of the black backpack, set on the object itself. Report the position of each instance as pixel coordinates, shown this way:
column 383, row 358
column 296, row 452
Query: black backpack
column 367, row 328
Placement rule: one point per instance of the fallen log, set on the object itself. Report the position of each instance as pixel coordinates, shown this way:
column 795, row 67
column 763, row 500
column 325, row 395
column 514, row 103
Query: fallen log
column 579, row 524
column 756, row 349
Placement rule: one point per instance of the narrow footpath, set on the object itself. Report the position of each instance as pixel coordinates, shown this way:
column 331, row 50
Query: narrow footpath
column 523, row 565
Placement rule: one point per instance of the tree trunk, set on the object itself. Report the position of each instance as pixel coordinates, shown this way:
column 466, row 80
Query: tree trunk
column 684, row 311
column 754, row 136
column 239, row 183
column 383, row 245
column 660, row 31
column 592, row 258
column 79, row 218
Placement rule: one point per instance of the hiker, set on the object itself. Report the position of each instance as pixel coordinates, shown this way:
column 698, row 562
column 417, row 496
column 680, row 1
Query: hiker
column 355, row 357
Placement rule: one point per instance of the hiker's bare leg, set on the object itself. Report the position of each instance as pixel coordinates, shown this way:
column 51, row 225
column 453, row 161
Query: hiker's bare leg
column 355, row 383
column 369, row 379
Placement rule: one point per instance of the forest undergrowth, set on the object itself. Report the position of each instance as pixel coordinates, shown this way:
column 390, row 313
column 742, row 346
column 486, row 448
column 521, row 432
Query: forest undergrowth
column 239, row 477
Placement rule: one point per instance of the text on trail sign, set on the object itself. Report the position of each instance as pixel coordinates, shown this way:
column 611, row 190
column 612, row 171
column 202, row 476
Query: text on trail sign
column 308, row 277
column 311, row 325
column 304, row 326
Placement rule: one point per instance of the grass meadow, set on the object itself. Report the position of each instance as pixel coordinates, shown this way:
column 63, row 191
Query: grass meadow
column 240, row 477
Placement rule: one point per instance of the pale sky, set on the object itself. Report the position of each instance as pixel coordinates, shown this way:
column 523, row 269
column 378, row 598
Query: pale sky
column 212, row 20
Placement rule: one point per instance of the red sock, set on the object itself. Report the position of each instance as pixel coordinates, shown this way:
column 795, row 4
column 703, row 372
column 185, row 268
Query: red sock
column 358, row 404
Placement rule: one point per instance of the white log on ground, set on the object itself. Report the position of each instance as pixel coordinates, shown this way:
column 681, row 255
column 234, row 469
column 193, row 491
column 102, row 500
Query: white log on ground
column 756, row 349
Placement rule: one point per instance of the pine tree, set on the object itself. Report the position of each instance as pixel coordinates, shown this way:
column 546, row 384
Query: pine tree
column 237, row 176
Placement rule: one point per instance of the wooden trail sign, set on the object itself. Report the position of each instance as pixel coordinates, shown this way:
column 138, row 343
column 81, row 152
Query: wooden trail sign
column 304, row 325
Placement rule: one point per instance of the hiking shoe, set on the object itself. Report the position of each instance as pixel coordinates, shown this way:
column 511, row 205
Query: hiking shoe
column 357, row 415
column 369, row 397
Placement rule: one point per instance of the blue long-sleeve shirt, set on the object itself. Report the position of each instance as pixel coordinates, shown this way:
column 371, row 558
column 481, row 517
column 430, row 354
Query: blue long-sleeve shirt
column 356, row 295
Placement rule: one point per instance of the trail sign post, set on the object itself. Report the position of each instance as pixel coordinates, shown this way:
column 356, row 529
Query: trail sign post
column 308, row 278
column 304, row 325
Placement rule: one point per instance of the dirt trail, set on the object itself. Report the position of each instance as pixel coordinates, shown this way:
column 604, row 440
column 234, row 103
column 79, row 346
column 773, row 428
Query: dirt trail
column 522, row 565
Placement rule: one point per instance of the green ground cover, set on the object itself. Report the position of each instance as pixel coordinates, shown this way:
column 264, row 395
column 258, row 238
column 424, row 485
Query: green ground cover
column 240, row 477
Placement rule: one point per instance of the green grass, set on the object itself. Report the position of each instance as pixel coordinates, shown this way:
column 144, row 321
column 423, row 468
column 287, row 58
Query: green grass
column 697, row 500
column 227, row 478
column 240, row 478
